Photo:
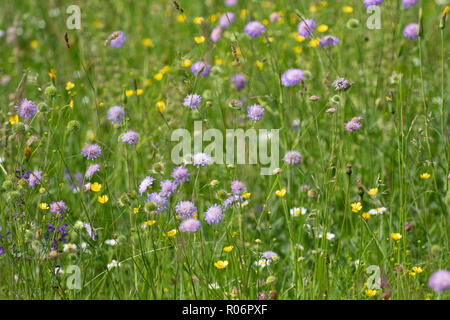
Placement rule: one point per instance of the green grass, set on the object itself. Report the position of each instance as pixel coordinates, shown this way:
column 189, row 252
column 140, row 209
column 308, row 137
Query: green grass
column 404, row 134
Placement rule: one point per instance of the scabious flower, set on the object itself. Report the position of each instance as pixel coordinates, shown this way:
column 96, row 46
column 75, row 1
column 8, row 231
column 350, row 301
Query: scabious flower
column 145, row 183
column 91, row 151
column 328, row 41
column 292, row 158
column 159, row 200
column 240, row 81
column 216, row 33
column 130, row 137
column 116, row 39
column 180, row 174
column 410, row 31
column 369, row 3
column 353, row 124
column 167, row 187
column 306, row 27
column 439, row 281
column 89, row 230
column 341, row 84
column 201, row 66
column 115, row 114
column 230, row 3
column 34, row 178
column 186, row 209
column 192, row 101
column 93, row 168
column 214, row 214
column 26, row 108
column 201, row 159
column 254, row 29
column 226, row 19
column 58, row 207
column 190, row 225
column 274, row 16
column 255, row 112
column 269, row 255
column 292, row 76
column 238, row 187
column 409, row 3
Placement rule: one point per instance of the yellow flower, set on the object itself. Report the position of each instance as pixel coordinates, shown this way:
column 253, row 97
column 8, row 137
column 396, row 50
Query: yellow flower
column 366, row 215
column 312, row 8
column 158, row 76
column 281, row 193
column 371, row 293
column 52, row 73
column 34, row 44
column 129, row 93
column 198, row 20
column 160, row 105
column 246, row 195
column 199, row 39
column 13, row 119
column 314, row 42
column 373, row 191
column 356, row 206
column 139, row 92
column 322, row 28
column 149, row 223
column 172, row 233
column 259, row 64
column 218, row 61
column 417, row 269
column 221, row 264
column 181, row 18
column 186, row 63
column 347, row 9
column 412, row 274
column 228, row 248
column 243, row 14
column 103, row 199
column 43, row 206
column 69, row 86
column 213, row 17
column 147, row 42
column 396, row 236
column 71, row 104
column 298, row 37
column 164, row 69
column 96, row 187
column 425, row 175
column 298, row 49
column 136, row 210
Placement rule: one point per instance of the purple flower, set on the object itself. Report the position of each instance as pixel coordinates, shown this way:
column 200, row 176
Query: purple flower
column 274, row 16
column 254, row 29
column 291, row 77
column 167, row 187
column 26, row 109
column 240, row 81
column 216, row 33
column 159, row 200
column 439, row 281
column 230, row 3
column 91, row 151
column 88, row 228
column 116, row 39
column 192, row 101
column 328, row 41
column 214, row 214
column 145, row 183
column 238, row 187
column 186, row 209
column 93, row 168
column 306, row 27
column 269, row 254
column 292, row 158
column 115, row 114
column 410, row 31
column 201, row 159
column 340, row 84
column 369, row 3
column 353, row 124
column 130, row 137
column 190, row 225
column 261, row 296
column 226, row 19
column 409, row 3
column 180, row 174
column 202, row 67
column 34, row 178
column 231, row 200
column 58, row 207
column 2, row 251
column 255, row 112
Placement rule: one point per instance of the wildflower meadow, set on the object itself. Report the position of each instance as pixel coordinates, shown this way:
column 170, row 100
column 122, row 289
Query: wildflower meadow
column 224, row 150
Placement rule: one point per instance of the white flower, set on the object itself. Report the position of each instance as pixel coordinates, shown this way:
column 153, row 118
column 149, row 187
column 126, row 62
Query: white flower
column 70, row 247
column 213, row 286
column 111, row 242
column 58, row 270
column 79, row 225
column 329, row 236
column 297, row 211
column 377, row 211
column 263, row 262
column 113, row 264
